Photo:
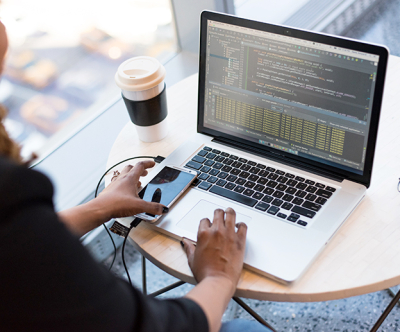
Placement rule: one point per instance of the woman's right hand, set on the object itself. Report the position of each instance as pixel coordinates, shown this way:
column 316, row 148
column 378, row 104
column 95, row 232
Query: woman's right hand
column 219, row 251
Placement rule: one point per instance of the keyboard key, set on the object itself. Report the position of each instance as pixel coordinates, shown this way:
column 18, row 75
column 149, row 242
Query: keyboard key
column 236, row 171
column 295, row 215
column 287, row 198
column 239, row 189
column 310, row 197
column 291, row 190
column 212, row 179
column 258, row 195
column 290, row 176
column 221, row 183
column 272, row 184
column 267, row 199
column 310, row 182
column 262, row 180
column 230, row 185
column 299, row 178
column 240, row 181
column 219, row 159
column 228, row 161
column 287, row 206
column 330, row 189
column 281, row 187
column 233, row 196
column 301, row 186
column 226, row 168
column 277, row 202
column 222, row 175
column 273, row 210
column 302, row 223
column 214, row 171
column 324, row 193
column 311, row 206
column 248, row 192
column 205, row 169
column 207, row 148
column 272, row 176
column 218, row 165
column 291, row 183
column 211, row 155
column 202, row 153
column 252, row 163
column 298, row 201
column 261, row 166
column 242, row 160
column 270, row 169
column 291, row 219
column 209, row 162
column 237, row 164
column 321, row 200
column 253, row 177
column 249, row 184
column 245, row 167
column 224, row 154
column 204, row 185
column 244, row 175
column 320, row 185
column 300, row 194
column 194, row 165
column 234, row 157
column 279, row 172
column 216, row 151
column 263, row 173
column 259, row 187
column 311, row 189
column 282, row 215
column 268, row 191
column 262, row 206
column 203, row 176
column 277, row 194
column 303, row 211
column 254, row 170
column 282, row 179
column 199, row 159
column 231, row 178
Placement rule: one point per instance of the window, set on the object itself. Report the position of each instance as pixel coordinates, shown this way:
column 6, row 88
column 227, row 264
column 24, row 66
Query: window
column 63, row 56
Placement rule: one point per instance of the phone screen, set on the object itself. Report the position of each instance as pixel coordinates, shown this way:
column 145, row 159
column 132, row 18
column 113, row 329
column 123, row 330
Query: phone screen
column 166, row 185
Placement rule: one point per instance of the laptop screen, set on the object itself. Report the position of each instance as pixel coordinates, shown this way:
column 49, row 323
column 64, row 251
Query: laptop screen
column 309, row 99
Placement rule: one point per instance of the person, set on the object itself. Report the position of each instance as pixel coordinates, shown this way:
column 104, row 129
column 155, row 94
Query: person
column 49, row 282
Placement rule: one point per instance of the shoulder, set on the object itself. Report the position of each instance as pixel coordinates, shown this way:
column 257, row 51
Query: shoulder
column 21, row 185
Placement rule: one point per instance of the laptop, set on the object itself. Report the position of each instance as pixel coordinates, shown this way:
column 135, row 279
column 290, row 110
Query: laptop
column 286, row 133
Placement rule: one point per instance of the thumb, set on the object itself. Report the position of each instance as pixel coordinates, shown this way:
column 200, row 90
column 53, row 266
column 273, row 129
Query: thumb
column 153, row 208
column 189, row 248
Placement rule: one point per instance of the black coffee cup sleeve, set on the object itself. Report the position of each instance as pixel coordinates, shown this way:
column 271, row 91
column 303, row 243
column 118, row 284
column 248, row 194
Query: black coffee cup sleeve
column 148, row 112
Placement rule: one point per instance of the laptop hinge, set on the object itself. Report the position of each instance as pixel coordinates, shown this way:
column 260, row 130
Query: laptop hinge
column 277, row 157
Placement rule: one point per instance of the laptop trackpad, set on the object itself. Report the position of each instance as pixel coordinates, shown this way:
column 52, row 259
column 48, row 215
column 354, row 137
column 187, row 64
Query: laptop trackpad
column 204, row 209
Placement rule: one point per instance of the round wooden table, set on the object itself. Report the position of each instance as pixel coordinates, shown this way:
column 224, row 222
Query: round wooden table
column 363, row 257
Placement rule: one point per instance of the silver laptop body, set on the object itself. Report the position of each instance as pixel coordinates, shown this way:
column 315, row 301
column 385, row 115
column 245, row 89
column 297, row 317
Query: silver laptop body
column 297, row 108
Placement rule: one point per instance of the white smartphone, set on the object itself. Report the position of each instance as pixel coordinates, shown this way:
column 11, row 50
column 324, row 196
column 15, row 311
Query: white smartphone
column 166, row 187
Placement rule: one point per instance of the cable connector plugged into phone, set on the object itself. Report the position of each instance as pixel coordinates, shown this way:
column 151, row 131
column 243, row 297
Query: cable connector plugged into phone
column 159, row 159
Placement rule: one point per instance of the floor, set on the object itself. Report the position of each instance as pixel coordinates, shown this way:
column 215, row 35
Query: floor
column 381, row 25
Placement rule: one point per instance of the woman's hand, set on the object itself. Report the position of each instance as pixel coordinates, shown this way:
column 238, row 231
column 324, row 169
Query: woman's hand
column 121, row 195
column 119, row 199
column 219, row 251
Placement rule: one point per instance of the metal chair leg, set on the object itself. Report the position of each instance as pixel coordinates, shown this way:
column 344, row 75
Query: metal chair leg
column 386, row 312
column 256, row 316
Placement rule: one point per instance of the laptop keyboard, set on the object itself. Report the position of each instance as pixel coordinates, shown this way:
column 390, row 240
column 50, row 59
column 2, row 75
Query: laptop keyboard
column 264, row 188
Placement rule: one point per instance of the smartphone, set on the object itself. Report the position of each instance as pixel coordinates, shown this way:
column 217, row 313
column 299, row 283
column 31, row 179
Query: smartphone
column 166, row 187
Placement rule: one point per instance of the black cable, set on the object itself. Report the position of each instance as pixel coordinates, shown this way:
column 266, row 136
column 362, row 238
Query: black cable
column 123, row 255
column 157, row 159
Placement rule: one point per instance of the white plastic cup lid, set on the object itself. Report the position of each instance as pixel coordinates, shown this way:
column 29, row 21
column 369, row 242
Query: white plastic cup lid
column 139, row 73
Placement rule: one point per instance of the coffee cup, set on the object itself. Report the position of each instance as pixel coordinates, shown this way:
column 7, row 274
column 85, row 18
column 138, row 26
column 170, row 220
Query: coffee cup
column 141, row 80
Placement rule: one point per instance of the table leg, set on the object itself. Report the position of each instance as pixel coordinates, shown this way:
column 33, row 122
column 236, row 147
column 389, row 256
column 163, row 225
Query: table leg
column 144, row 281
column 386, row 312
column 256, row 316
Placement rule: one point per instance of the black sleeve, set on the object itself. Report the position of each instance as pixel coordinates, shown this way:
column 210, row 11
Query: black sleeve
column 49, row 282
